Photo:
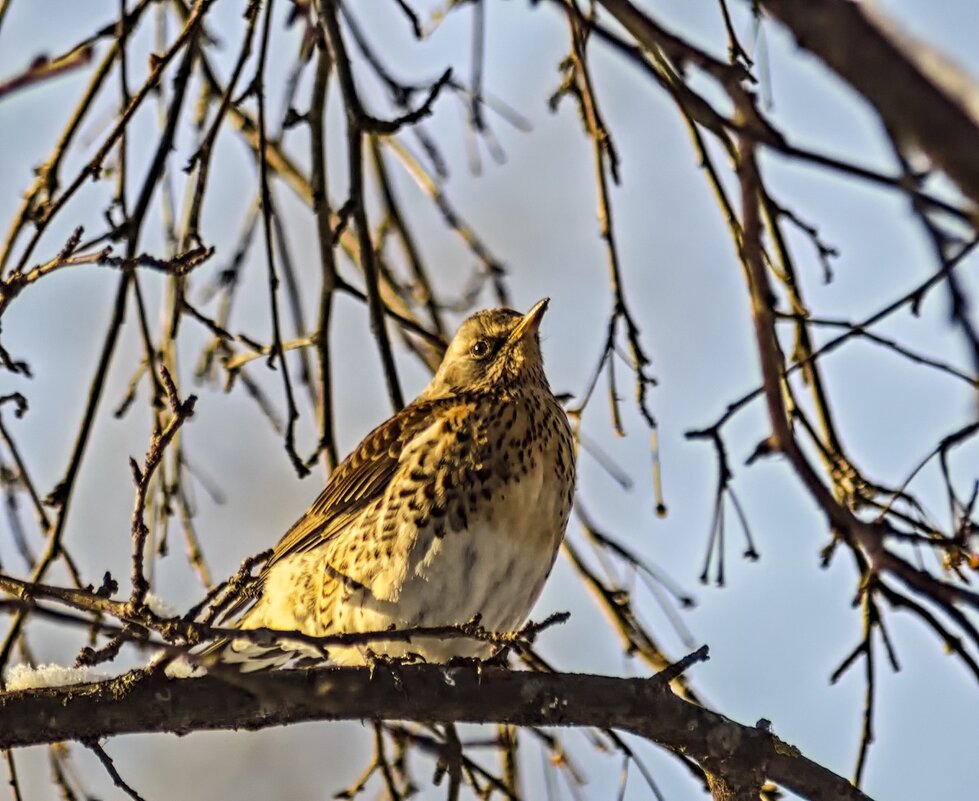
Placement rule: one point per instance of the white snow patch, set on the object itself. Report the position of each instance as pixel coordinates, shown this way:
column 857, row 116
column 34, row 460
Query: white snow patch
column 181, row 668
column 159, row 607
column 25, row 677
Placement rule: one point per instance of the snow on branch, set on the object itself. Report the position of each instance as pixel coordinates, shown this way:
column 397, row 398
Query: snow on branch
column 734, row 757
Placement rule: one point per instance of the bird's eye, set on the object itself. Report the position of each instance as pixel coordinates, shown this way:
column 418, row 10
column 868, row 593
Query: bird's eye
column 480, row 349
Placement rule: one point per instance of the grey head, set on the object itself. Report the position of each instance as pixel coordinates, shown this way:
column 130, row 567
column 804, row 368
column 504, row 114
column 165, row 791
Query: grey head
column 492, row 349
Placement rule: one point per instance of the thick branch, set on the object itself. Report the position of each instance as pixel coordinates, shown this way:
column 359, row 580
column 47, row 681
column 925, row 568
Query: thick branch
column 141, row 702
column 921, row 106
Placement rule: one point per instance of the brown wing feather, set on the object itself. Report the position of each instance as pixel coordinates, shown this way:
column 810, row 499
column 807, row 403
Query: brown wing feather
column 358, row 481
column 361, row 478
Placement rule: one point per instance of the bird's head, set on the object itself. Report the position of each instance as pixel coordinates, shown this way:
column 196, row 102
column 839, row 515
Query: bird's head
column 491, row 349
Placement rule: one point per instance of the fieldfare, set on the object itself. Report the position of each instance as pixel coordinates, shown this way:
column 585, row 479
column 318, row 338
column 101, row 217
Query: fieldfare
column 452, row 508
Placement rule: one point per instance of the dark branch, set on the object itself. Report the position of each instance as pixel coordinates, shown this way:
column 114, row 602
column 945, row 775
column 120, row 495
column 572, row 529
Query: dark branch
column 891, row 74
column 142, row 702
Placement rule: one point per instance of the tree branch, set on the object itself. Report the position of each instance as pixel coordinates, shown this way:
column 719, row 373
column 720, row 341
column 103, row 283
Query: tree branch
column 147, row 702
column 923, row 105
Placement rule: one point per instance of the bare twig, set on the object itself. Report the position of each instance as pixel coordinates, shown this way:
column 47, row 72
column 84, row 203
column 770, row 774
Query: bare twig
column 180, row 410
column 43, row 69
column 110, row 768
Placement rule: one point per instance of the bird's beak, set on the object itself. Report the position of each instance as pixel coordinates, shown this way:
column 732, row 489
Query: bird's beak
column 531, row 321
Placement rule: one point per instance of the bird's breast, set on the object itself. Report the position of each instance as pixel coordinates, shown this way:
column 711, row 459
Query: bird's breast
column 505, row 521
column 470, row 526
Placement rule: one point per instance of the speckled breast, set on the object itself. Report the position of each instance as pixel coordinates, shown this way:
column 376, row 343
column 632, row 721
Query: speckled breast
column 478, row 535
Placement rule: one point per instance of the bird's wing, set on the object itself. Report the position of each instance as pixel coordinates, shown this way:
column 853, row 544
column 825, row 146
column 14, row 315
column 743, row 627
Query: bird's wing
column 360, row 479
column 363, row 476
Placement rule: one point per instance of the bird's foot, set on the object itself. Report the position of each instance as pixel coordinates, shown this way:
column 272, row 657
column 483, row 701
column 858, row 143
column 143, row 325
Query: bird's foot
column 391, row 664
column 500, row 659
column 469, row 662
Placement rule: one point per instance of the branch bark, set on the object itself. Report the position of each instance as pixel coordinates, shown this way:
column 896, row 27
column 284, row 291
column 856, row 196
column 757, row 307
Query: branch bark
column 920, row 104
column 732, row 755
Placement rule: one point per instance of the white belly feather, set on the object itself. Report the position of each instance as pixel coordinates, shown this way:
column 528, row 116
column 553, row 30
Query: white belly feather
column 495, row 568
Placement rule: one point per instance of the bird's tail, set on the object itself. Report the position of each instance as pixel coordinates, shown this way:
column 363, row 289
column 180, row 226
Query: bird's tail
column 241, row 653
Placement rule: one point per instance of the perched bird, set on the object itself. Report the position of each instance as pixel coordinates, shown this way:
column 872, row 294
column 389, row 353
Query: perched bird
column 452, row 508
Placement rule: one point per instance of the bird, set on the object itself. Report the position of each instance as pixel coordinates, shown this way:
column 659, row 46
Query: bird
column 451, row 510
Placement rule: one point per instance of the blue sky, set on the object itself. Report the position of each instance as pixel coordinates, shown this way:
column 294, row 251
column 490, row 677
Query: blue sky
column 781, row 625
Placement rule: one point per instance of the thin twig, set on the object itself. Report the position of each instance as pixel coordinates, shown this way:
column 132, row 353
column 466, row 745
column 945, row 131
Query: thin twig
column 180, row 411
column 110, row 768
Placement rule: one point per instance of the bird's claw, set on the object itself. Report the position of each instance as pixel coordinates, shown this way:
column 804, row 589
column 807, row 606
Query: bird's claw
column 500, row 659
column 468, row 662
column 391, row 664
